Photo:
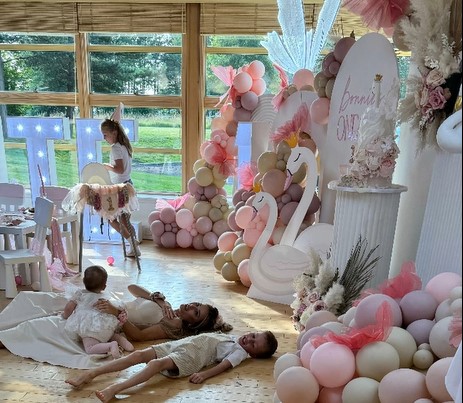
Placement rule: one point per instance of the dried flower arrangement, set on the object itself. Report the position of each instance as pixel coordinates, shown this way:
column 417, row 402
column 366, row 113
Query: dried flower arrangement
column 322, row 288
column 432, row 92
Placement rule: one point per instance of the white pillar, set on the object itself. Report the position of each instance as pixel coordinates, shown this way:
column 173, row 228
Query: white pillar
column 370, row 213
column 439, row 247
column 414, row 170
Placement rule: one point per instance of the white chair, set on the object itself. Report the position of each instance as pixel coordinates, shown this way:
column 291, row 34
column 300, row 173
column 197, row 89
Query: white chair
column 42, row 217
column 11, row 199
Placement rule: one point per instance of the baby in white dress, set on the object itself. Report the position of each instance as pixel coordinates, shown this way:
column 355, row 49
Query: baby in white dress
column 95, row 328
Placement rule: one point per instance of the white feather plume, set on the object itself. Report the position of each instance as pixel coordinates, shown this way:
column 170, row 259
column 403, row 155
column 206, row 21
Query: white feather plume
column 297, row 48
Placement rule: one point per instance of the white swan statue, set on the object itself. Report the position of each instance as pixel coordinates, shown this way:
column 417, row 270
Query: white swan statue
column 449, row 133
column 318, row 236
column 272, row 268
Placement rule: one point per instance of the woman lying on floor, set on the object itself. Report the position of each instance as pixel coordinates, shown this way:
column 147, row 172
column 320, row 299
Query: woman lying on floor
column 31, row 326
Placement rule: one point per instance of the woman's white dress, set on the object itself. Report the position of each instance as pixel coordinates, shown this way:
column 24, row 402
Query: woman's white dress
column 31, row 326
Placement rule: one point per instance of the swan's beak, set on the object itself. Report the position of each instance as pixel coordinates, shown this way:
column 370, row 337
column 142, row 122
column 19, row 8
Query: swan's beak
column 289, row 179
column 254, row 213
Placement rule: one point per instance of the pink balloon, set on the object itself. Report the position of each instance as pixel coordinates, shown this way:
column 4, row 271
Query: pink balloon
column 256, row 69
column 330, row 395
column 258, row 87
column 303, row 77
column 416, row 305
column 110, row 260
column 402, row 385
column 342, row 47
column 243, row 216
column 327, row 60
column 441, row 285
column 287, row 212
column 168, row 240
column 242, row 82
column 320, row 110
column 227, row 114
column 251, row 236
column 157, row 228
column 167, row 215
column 332, row 364
column 435, row 379
column 306, row 353
column 333, row 68
column 220, row 227
column 203, row 224
column 243, row 272
column 184, row 238
column 249, row 101
column 154, row 215
column 192, row 185
column 242, row 115
column 365, row 314
column 231, row 128
column 184, row 218
column 273, row 182
column 420, row 330
column 314, row 331
column 210, row 240
column 198, row 243
column 210, row 191
column 218, row 123
column 232, row 222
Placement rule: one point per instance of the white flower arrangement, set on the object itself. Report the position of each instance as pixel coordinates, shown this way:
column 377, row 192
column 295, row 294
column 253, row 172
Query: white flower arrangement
column 321, row 288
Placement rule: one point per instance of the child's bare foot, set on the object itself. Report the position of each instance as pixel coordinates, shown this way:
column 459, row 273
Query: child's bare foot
column 105, row 395
column 79, row 380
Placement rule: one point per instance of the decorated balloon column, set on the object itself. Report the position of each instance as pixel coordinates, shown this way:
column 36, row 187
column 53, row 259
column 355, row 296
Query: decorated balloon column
column 325, row 79
column 395, row 344
column 198, row 218
column 269, row 175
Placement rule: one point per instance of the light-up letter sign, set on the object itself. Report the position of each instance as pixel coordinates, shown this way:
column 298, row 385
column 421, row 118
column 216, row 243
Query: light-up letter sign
column 39, row 134
column 89, row 139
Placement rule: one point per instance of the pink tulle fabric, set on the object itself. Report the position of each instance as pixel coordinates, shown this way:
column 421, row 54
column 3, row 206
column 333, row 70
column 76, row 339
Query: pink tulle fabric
column 226, row 75
column 355, row 339
column 278, row 99
column 455, row 329
column 378, row 14
column 246, row 174
column 226, row 163
column 300, row 120
column 175, row 203
column 406, row 281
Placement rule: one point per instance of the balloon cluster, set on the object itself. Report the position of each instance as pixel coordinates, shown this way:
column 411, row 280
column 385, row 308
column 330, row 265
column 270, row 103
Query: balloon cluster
column 201, row 216
column 325, row 79
column 248, row 85
column 408, row 363
column 235, row 246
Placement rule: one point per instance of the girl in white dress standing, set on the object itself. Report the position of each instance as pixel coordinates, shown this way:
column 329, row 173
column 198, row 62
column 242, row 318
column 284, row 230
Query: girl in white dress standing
column 95, row 328
column 120, row 168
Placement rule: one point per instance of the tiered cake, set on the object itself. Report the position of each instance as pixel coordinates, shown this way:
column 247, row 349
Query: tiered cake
column 374, row 157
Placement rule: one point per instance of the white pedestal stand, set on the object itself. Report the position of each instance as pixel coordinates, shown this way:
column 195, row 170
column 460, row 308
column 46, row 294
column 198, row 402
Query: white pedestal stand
column 439, row 248
column 370, row 213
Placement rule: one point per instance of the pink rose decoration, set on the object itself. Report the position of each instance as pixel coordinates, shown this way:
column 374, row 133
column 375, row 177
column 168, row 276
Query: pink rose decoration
column 387, row 168
column 434, row 78
column 436, row 98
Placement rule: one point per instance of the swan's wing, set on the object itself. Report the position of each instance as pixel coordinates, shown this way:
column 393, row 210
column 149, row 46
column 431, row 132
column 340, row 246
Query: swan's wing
column 318, row 237
column 283, row 263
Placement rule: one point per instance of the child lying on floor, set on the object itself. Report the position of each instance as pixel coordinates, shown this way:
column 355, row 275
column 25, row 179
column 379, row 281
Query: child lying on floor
column 185, row 357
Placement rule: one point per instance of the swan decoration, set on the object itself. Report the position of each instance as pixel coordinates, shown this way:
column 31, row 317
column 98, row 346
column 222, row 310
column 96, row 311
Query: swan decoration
column 272, row 268
column 449, row 133
column 318, row 236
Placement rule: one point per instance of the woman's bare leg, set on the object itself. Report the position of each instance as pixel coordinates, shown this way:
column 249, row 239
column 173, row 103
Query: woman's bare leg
column 152, row 368
column 137, row 357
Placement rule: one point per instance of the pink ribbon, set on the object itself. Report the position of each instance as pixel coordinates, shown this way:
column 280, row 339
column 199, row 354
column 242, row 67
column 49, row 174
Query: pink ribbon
column 278, row 98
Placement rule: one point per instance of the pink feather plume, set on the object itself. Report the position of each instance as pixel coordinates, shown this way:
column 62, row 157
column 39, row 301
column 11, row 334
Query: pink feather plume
column 378, row 14
column 300, row 120
column 246, row 174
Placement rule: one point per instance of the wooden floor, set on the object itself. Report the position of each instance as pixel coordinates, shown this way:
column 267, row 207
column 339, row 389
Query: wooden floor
column 183, row 276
